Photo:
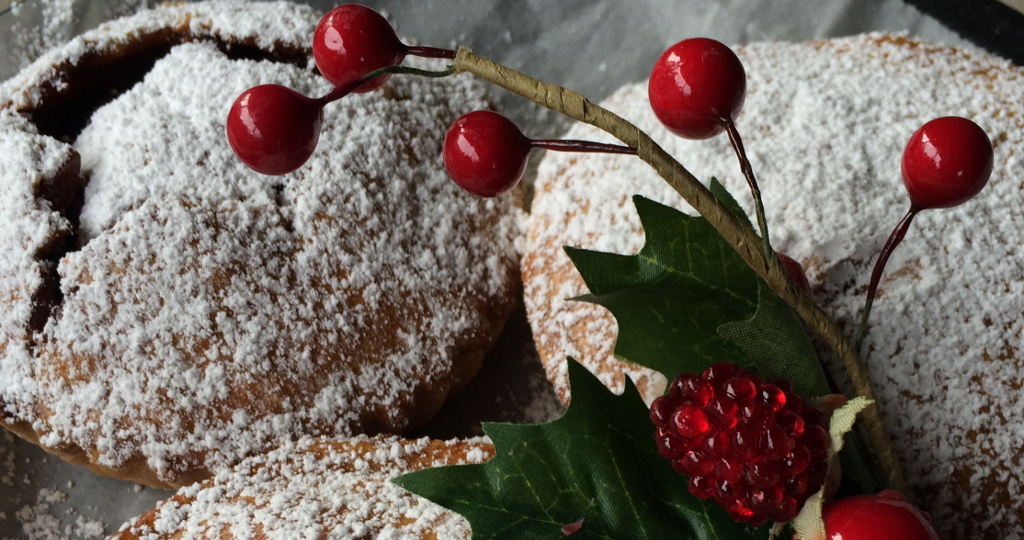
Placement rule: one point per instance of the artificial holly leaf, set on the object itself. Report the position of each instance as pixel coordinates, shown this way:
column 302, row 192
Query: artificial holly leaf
column 670, row 299
column 688, row 300
column 597, row 463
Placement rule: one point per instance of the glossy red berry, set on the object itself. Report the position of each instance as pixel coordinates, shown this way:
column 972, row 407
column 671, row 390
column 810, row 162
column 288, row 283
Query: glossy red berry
column 946, row 162
column 796, row 271
column 485, row 153
column 870, row 517
column 696, row 85
column 353, row 40
column 274, row 129
column 747, row 443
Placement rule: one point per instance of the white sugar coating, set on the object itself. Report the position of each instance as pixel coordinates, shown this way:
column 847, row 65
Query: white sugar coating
column 213, row 312
column 270, row 26
column 825, row 124
column 315, row 489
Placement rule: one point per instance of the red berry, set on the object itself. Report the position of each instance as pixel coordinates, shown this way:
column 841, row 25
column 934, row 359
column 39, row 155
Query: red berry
column 774, row 443
column 662, row 409
column 744, row 442
column 791, row 422
column 946, row 162
column 755, row 413
column 772, row 396
column 274, row 129
column 817, row 441
column 730, row 469
column 696, row 463
column 764, row 474
column 485, row 153
column 670, row 445
column 722, row 413
column 740, row 389
column 692, row 387
column 764, row 500
column 796, row 272
column 796, row 461
column 701, row 487
column 719, row 372
column 762, row 467
column 690, row 421
column 870, row 517
column 696, row 86
column 353, row 40
column 797, row 485
column 715, row 444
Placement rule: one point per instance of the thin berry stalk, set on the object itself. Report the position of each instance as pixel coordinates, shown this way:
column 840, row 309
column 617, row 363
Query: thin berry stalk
column 748, row 173
column 431, row 52
column 876, row 274
column 581, row 146
column 740, row 236
column 341, row 91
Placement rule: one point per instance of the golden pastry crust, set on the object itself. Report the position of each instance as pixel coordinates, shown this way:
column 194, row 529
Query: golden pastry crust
column 168, row 312
column 321, row 488
column 825, row 123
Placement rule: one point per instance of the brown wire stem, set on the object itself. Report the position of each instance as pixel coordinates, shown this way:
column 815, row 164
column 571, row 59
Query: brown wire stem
column 748, row 173
column 739, row 235
column 341, row 91
column 431, row 52
column 876, row 274
column 570, row 145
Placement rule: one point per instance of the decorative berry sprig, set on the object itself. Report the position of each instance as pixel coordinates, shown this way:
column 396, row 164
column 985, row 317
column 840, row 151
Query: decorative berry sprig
column 738, row 234
column 357, row 76
column 353, row 40
column 486, row 153
column 945, row 163
column 274, row 129
column 697, row 89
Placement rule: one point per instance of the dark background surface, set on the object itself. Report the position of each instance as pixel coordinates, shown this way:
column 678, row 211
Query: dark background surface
column 992, row 25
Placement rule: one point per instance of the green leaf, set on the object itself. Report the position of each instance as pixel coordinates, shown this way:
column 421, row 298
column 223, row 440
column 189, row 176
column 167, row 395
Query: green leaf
column 598, row 463
column 775, row 341
column 671, row 298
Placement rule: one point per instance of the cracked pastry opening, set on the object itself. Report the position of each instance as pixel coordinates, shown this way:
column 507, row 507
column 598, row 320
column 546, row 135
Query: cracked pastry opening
column 167, row 311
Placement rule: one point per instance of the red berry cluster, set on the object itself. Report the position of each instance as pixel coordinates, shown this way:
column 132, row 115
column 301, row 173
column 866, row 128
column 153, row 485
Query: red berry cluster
column 754, row 447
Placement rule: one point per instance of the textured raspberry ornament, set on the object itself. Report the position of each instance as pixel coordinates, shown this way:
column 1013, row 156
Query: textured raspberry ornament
column 754, row 447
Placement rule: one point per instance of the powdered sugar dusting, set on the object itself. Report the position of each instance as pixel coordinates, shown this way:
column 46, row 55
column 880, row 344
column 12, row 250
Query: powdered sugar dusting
column 311, row 488
column 212, row 312
column 825, row 124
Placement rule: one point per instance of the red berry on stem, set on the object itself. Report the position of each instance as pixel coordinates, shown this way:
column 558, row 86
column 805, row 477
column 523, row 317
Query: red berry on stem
column 353, row 40
column 696, row 86
column 795, row 271
column 485, row 153
column 274, row 129
column 870, row 517
column 946, row 162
